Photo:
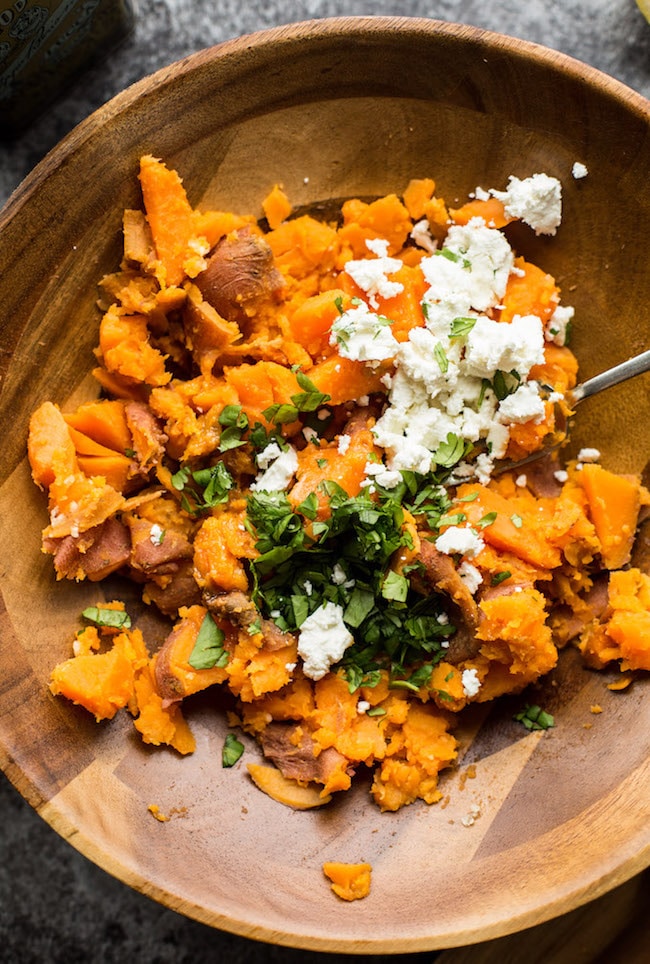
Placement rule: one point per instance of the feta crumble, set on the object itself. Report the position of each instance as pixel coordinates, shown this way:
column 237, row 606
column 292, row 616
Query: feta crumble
column 362, row 335
column 524, row 405
column 471, row 682
column 579, row 170
column 461, row 540
column 588, row 455
column 493, row 346
column 536, row 200
column 557, row 327
column 470, row 576
column 279, row 470
column 371, row 274
column 323, row 639
column 156, row 534
column 343, row 444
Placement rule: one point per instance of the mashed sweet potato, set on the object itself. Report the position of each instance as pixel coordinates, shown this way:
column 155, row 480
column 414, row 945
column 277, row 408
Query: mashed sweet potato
column 294, row 455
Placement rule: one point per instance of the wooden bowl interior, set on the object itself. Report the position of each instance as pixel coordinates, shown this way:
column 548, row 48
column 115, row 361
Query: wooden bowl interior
column 329, row 109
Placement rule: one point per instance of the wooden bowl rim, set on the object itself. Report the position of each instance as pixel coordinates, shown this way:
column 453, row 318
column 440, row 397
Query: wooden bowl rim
column 637, row 856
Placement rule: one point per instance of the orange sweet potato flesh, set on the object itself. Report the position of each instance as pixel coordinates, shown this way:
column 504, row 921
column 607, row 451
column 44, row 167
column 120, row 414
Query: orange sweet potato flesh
column 125, row 348
column 48, row 443
column 220, row 547
column 276, row 207
column 533, row 293
column 490, row 209
column 169, row 214
column 416, row 195
column 312, row 321
column 345, row 380
column 102, row 682
column 349, row 881
column 527, row 541
column 156, row 722
column 104, row 421
column 614, row 502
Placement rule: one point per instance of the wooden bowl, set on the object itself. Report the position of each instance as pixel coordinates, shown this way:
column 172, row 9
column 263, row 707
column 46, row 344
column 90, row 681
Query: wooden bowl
column 332, row 108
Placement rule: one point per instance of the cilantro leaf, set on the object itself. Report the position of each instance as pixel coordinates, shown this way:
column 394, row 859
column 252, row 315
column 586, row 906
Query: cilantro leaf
column 113, row 618
column 535, row 718
column 208, row 650
column 232, row 750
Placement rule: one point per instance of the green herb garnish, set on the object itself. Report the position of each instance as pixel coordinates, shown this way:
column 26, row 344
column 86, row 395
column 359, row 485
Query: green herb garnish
column 232, row 750
column 208, row 650
column 112, row 618
column 535, row 718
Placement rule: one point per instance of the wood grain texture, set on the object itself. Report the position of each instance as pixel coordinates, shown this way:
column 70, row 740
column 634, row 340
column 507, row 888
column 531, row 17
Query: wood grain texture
column 332, row 108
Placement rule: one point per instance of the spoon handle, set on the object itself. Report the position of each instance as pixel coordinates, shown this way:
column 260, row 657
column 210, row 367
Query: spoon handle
column 613, row 376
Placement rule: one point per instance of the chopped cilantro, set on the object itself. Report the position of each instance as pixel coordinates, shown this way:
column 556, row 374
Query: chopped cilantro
column 204, row 488
column 395, row 629
column 500, row 577
column 451, row 451
column 441, row 357
column 488, row 519
column 505, row 383
column 232, row 750
column 208, row 650
column 535, row 718
column 461, row 327
column 112, row 618
column 516, row 520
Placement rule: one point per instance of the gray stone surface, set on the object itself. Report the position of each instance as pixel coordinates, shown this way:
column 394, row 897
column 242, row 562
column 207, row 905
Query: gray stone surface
column 55, row 906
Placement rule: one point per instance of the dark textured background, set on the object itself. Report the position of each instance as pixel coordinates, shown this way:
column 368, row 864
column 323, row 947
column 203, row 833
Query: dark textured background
column 55, row 906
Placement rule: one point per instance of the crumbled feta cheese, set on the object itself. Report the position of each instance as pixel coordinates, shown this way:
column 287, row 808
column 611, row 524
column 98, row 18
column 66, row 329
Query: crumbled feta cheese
column 561, row 476
column 308, row 587
column 481, row 194
column 470, row 576
column 386, row 478
column 156, row 534
column 558, row 324
column 323, row 639
column 536, row 200
column 493, row 346
column 268, row 455
column 363, row 706
column 523, row 405
column 521, row 480
column 470, row 271
column 279, row 473
column 309, row 434
column 579, row 170
column 362, row 335
column 290, row 667
column 471, row 682
column 588, row 455
column 462, row 540
column 422, row 236
column 338, row 574
column 344, row 444
column 371, row 274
